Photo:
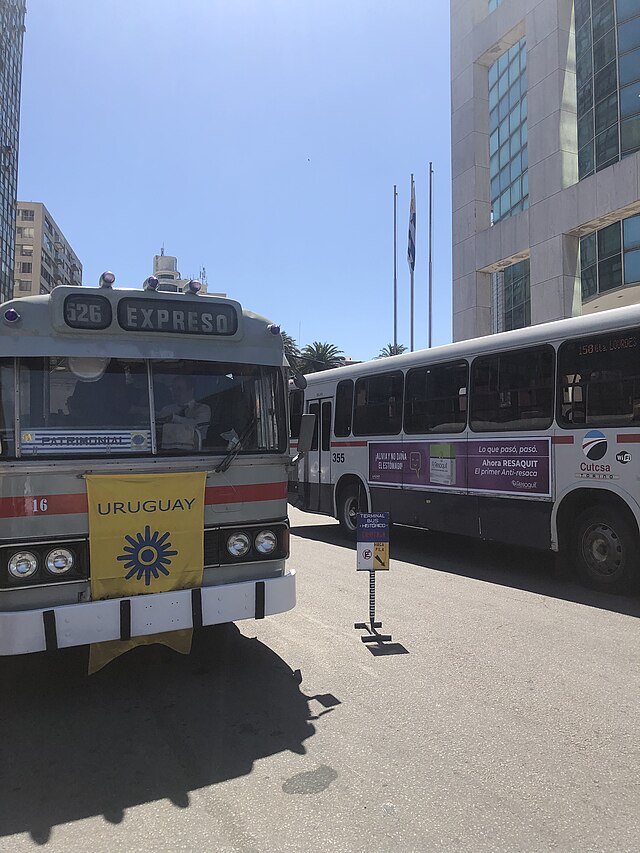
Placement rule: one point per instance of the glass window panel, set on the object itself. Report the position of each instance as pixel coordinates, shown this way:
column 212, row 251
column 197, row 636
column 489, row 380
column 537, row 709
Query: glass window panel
column 603, row 19
column 629, row 66
column 604, row 50
column 606, row 113
column 583, row 38
column 585, row 128
column 525, row 158
column 524, row 133
column 632, row 267
column 436, row 398
column 630, row 100
column 493, row 74
column 493, row 97
column 525, row 187
column 514, row 119
column 503, row 85
column 493, row 118
column 583, row 11
column 610, row 273
column 515, row 169
column 600, row 380
column 630, row 131
column 504, row 131
column 588, row 250
column 626, row 8
column 493, row 164
column 586, row 162
column 504, row 179
column 514, row 146
column 514, row 95
column 495, row 188
column 505, row 201
column 502, row 63
column 609, row 241
column 585, row 97
column 607, row 151
column 584, row 69
column 508, row 276
column 504, row 155
column 493, row 142
column 503, row 108
column 516, row 192
column 605, row 82
column 496, row 210
column 514, row 70
column 378, row 404
column 344, row 405
column 589, row 282
column 631, row 232
column 629, row 35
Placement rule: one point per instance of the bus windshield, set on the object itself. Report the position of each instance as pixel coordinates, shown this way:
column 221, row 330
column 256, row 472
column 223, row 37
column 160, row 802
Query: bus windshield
column 80, row 406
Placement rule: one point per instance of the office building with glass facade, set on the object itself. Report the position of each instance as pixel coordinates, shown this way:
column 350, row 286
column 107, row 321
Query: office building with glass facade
column 12, row 13
column 545, row 101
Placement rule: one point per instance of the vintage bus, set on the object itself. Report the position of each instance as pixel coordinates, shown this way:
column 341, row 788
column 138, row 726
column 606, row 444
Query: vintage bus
column 529, row 437
column 172, row 407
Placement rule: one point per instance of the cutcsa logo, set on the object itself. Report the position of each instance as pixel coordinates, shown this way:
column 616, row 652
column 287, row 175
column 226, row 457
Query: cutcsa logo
column 594, row 444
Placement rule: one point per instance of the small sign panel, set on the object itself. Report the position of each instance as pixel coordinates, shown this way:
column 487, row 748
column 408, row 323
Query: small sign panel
column 62, row 441
column 191, row 317
column 87, row 311
column 373, row 541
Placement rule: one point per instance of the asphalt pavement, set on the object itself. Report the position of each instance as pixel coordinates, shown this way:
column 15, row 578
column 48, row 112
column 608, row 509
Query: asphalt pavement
column 503, row 716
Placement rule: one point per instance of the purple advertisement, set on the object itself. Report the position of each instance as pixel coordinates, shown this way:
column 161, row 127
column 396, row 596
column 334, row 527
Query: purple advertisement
column 518, row 466
column 512, row 466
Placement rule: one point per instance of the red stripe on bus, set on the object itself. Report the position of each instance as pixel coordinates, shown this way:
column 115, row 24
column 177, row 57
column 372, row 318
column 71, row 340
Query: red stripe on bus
column 33, row 505
column 245, row 494
column 348, row 444
column 632, row 438
column 562, row 439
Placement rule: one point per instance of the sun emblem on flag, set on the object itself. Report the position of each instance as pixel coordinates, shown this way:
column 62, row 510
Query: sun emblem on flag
column 147, row 555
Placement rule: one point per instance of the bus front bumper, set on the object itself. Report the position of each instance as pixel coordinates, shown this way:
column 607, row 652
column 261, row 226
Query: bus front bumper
column 26, row 631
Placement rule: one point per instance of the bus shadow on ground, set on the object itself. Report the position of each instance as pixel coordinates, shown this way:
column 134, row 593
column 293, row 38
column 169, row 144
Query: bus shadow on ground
column 152, row 725
column 506, row 565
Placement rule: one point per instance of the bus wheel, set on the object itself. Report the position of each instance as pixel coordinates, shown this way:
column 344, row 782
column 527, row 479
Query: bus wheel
column 605, row 550
column 352, row 500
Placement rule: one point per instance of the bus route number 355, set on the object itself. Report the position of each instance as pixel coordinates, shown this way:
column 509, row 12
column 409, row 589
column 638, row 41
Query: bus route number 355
column 337, row 457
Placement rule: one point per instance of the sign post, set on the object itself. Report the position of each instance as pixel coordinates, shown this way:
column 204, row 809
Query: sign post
column 372, row 556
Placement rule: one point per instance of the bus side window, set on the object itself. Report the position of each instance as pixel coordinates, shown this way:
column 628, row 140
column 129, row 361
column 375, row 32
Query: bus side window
column 344, row 408
column 513, row 390
column 314, row 409
column 599, row 380
column 7, row 447
column 296, row 403
column 436, row 398
column 378, row 409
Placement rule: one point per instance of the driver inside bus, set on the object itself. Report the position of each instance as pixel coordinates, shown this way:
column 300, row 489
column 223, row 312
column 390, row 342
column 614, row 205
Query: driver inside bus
column 184, row 409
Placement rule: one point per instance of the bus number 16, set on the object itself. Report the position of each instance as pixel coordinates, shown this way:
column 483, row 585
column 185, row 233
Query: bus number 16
column 40, row 504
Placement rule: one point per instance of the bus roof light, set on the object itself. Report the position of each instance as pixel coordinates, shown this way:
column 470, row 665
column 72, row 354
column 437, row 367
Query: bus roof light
column 194, row 286
column 274, row 328
column 151, row 283
column 11, row 315
column 107, row 279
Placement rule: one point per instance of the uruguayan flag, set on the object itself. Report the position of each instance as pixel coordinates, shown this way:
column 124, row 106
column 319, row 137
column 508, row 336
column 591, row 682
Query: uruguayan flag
column 411, row 250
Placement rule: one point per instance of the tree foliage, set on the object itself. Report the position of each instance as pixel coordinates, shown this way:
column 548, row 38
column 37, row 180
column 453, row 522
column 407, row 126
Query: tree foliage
column 320, row 356
column 391, row 349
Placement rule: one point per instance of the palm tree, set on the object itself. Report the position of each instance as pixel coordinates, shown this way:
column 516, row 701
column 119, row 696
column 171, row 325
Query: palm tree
column 320, row 356
column 291, row 350
column 391, row 349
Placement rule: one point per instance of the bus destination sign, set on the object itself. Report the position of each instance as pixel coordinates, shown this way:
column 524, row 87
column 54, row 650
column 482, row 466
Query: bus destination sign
column 171, row 316
column 87, row 311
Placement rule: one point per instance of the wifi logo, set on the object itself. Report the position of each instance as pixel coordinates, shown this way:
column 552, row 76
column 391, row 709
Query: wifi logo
column 594, row 444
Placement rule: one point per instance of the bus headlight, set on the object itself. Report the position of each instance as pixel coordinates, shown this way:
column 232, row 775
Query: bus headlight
column 266, row 542
column 23, row 564
column 238, row 544
column 59, row 561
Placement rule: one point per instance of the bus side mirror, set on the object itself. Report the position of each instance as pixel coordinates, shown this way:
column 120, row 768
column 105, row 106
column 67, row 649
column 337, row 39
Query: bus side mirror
column 305, row 439
column 299, row 379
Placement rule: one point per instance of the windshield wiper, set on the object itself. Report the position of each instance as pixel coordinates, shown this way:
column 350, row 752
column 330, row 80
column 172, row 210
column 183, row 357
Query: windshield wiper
column 237, row 446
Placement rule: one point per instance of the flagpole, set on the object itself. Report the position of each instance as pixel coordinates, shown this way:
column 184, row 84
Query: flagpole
column 395, row 265
column 430, row 242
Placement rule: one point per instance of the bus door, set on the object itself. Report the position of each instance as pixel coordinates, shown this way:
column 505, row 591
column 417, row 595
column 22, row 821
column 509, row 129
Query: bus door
column 318, row 461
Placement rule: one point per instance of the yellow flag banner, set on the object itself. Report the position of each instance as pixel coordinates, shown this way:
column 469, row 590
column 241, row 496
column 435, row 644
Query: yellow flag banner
column 145, row 536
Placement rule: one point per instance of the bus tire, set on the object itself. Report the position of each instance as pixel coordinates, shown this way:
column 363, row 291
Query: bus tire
column 352, row 499
column 604, row 549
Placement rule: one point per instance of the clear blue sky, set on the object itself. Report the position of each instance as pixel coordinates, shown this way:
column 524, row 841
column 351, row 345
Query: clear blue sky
column 259, row 138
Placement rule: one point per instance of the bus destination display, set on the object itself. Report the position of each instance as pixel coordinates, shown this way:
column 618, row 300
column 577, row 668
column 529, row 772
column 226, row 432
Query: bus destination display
column 87, row 311
column 169, row 316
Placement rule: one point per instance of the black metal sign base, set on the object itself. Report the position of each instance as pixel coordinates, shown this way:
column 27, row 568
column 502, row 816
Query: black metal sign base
column 371, row 625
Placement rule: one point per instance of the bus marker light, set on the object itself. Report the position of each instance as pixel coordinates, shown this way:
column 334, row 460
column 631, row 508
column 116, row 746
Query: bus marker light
column 11, row 315
column 274, row 328
column 107, row 279
column 194, row 286
column 151, row 283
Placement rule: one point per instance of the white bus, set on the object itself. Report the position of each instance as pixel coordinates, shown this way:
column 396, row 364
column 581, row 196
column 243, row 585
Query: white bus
column 529, row 437
column 127, row 386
